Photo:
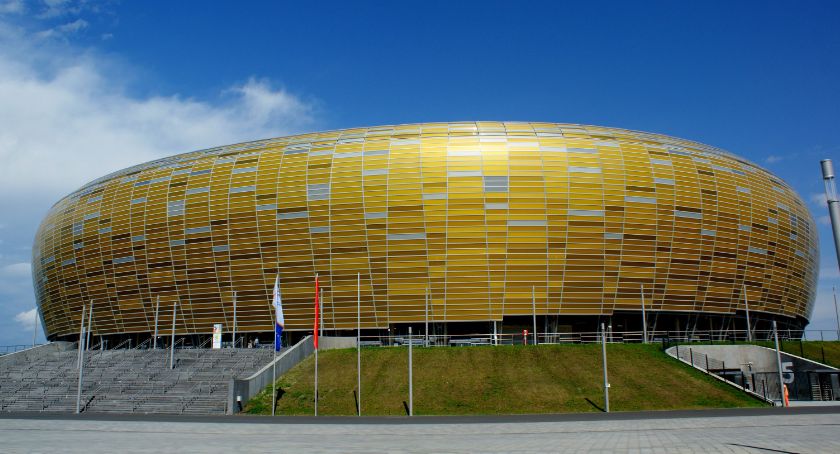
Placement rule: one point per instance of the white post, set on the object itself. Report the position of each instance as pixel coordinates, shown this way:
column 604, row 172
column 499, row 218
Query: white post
column 233, row 339
column 81, row 334
column 495, row 334
column 172, row 342
column 81, row 359
column 321, row 314
column 89, row 326
column 606, row 382
column 35, row 331
column 644, row 317
column 359, row 339
column 157, row 307
column 747, row 306
column 779, row 365
column 534, row 311
column 426, row 328
column 410, row 378
column 316, row 381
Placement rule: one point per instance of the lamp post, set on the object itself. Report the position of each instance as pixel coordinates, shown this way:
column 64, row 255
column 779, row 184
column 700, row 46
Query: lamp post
column 833, row 203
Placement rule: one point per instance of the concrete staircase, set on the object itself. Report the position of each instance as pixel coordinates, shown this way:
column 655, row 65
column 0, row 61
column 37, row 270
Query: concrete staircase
column 125, row 381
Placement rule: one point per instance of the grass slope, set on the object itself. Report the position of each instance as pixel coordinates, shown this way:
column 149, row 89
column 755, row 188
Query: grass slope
column 813, row 350
column 499, row 380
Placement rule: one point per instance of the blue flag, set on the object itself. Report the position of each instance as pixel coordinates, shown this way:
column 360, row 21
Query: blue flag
column 279, row 323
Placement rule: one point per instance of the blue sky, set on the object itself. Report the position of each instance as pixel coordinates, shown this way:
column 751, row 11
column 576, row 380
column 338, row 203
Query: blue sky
column 91, row 87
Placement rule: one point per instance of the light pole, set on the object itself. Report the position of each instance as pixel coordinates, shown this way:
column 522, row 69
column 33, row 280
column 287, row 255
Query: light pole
column 747, row 306
column 836, row 313
column 779, row 365
column 359, row 339
column 833, row 203
column 35, row 331
column 172, row 341
column 410, row 377
column 81, row 361
column 157, row 308
column 534, row 311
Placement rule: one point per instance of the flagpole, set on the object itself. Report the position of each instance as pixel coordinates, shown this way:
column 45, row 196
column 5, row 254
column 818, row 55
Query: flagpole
column 359, row 338
column 234, row 320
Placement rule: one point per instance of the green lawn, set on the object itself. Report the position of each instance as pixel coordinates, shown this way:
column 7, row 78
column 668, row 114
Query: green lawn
column 499, row 380
column 814, row 350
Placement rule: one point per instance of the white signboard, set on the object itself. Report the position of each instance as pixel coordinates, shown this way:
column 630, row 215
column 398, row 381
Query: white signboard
column 217, row 335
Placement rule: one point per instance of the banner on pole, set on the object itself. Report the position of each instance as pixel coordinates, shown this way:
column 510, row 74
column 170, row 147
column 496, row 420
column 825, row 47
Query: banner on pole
column 217, row 335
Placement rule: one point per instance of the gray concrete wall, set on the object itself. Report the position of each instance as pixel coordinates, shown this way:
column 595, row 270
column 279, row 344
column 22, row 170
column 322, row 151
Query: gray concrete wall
column 763, row 359
column 247, row 388
column 331, row 343
column 758, row 367
column 32, row 353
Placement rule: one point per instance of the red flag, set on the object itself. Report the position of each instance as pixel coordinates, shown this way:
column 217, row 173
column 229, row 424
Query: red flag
column 316, row 311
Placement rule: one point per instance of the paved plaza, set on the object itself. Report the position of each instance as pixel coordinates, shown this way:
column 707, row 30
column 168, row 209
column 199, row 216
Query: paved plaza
column 798, row 431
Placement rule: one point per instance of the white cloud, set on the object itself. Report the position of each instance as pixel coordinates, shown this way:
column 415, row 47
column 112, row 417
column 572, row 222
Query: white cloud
column 824, row 220
column 819, row 199
column 69, row 115
column 772, row 159
column 17, row 270
column 63, row 30
column 56, row 8
column 829, row 273
column 75, row 122
column 12, row 7
column 26, row 319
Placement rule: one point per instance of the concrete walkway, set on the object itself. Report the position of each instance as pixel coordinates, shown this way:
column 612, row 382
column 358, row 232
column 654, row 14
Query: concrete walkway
column 800, row 431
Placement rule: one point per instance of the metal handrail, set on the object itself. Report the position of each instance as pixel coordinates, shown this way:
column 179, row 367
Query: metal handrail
column 658, row 336
column 143, row 345
column 118, row 346
column 204, row 344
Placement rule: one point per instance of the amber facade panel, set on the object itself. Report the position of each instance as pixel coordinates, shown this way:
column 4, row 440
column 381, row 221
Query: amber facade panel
column 479, row 215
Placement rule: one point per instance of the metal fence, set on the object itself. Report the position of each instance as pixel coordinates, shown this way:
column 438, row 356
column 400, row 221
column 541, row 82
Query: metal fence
column 764, row 385
column 434, row 339
column 6, row 349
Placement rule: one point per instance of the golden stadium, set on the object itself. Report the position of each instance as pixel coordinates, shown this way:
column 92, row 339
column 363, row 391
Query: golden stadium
column 461, row 224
